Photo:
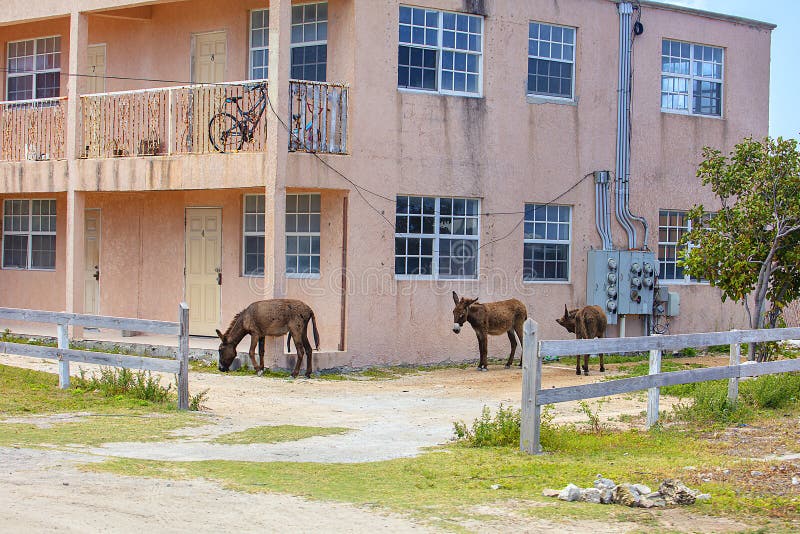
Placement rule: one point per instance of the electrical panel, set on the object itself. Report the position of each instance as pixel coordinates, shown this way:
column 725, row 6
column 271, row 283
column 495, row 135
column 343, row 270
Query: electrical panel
column 621, row 282
column 673, row 304
column 602, row 288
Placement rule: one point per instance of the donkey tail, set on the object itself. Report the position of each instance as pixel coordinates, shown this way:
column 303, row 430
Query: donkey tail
column 316, row 332
column 289, row 342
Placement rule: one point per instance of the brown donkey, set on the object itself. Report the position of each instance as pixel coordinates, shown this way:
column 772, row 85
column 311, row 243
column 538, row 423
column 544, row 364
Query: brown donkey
column 264, row 318
column 588, row 322
column 492, row 318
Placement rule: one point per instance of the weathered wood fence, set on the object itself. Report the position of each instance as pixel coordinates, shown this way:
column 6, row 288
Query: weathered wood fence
column 179, row 366
column 534, row 397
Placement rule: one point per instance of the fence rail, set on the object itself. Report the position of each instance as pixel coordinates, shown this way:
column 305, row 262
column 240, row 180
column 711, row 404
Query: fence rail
column 318, row 113
column 33, row 130
column 64, row 355
column 533, row 396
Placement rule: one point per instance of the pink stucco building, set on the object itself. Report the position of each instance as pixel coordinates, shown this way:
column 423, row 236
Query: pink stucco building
column 406, row 150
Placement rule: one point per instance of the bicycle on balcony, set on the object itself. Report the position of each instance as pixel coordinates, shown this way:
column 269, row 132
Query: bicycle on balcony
column 228, row 132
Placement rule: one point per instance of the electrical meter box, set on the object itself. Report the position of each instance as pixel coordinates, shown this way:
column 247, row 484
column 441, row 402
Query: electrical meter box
column 621, row 282
column 602, row 288
column 637, row 278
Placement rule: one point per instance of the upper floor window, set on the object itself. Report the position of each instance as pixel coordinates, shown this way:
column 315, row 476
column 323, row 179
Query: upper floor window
column 546, row 254
column 310, row 41
column 440, row 51
column 34, row 69
column 672, row 225
column 691, row 78
column 436, row 237
column 551, row 60
column 259, row 44
column 29, row 234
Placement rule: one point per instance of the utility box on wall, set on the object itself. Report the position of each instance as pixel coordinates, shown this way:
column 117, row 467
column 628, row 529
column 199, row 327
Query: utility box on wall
column 621, row 282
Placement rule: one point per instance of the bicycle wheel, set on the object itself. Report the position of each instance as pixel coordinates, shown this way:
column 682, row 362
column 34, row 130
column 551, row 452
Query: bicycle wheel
column 226, row 132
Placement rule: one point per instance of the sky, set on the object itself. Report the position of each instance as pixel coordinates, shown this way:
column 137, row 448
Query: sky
column 784, row 110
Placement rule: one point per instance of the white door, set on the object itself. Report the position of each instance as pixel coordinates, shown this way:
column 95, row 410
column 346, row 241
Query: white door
column 210, row 57
column 91, row 278
column 203, row 269
column 96, row 65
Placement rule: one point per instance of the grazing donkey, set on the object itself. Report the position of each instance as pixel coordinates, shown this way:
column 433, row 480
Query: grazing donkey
column 492, row 318
column 264, row 318
column 588, row 322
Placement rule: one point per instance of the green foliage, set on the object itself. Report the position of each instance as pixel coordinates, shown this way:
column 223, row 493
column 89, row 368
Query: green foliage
column 113, row 382
column 771, row 391
column 709, row 404
column 595, row 424
column 196, row 401
column 752, row 244
column 276, row 434
column 500, row 430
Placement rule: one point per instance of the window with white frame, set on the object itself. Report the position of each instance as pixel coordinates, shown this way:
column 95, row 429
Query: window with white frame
column 303, row 234
column 253, row 246
column 29, row 234
column 691, row 78
column 546, row 254
column 672, row 225
column 440, row 51
column 436, row 237
column 259, row 44
column 551, row 60
column 310, row 41
column 33, row 69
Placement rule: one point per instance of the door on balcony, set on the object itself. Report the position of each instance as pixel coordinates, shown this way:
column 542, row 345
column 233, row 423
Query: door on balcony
column 96, row 65
column 91, row 278
column 203, row 269
column 210, row 57
column 208, row 66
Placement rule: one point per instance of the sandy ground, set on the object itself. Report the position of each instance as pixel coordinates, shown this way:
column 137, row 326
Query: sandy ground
column 389, row 419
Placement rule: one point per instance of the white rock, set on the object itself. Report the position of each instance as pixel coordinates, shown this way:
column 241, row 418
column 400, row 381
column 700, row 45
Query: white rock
column 601, row 483
column 548, row 492
column 703, row 497
column 795, row 481
column 571, row 493
column 591, row 495
column 642, row 489
column 495, row 486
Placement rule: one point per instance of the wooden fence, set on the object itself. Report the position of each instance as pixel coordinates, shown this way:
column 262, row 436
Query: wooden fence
column 64, row 355
column 534, row 397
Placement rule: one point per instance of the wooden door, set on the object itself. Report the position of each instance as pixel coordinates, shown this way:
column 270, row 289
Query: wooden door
column 203, row 269
column 96, row 65
column 210, row 57
column 91, row 278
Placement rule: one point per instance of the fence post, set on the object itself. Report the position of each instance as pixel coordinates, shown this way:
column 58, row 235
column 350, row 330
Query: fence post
column 63, row 365
column 183, row 357
column 733, row 383
column 653, row 393
column 170, row 121
column 531, row 383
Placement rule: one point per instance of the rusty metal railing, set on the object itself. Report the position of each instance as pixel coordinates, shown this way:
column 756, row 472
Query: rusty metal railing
column 33, row 130
column 318, row 117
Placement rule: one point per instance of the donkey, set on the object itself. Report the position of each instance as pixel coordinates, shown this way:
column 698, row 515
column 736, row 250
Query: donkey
column 492, row 318
column 264, row 318
column 588, row 322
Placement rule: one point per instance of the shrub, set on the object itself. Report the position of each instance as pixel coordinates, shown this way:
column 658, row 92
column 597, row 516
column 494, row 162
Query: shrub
column 500, row 430
column 113, row 382
column 771, row 391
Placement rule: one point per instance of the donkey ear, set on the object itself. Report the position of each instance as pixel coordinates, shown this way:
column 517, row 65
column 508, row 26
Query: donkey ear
column 471, row 302
column 221, row 336
column 455, row 297
column 566, row 311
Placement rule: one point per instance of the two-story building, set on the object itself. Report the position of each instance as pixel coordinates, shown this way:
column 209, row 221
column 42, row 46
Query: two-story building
column 366, row 156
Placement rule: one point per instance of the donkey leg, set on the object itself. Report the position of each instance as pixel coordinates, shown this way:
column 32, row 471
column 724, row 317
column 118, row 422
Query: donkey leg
column 298, row 344
column 586, row 364
column 309, row 352
column 261, row 343
column 602, row 367
column 578, row 365
column 518, row 330
column 252, row 353
column 513, row 341
column 483, row 347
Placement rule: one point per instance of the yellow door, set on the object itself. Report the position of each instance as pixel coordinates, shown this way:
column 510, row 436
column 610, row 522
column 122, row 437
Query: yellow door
column 96, row 82
column 203, row 269
column 91, row 278
column 210, row 56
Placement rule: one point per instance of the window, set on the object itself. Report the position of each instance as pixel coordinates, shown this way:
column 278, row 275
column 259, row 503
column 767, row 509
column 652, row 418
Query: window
column 253, row 249
column 310, row 41
column 440, row 51
column 34, row 69
column 259, row 44
column 672, row 225
column 551, row 60
column 436, row 237
column 302, row 234
column 691, row 78
column 546, row 243
column 29, row 234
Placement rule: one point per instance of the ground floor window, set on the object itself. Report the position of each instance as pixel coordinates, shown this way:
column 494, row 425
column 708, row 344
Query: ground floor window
column 436, row 237
column 546, row 253
column 672, row 225
column 253, row 246
column 303, row 234
column 29, row 234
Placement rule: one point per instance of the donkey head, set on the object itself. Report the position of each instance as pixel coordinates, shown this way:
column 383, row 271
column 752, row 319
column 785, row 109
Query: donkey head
column 227, row 353
column 461, row 311
column 568, row 321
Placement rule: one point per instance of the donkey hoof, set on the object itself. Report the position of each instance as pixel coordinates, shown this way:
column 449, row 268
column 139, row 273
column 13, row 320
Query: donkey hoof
column 586, row 373
column 508, row 366
column 260, row 372
column 578, row 372
column 483, row 369
column 602, row 369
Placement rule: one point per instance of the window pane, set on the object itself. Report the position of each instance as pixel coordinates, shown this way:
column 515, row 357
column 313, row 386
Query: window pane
column 15, row 251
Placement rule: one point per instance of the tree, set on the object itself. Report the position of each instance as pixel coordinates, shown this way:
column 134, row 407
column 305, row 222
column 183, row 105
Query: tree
column 750, row 249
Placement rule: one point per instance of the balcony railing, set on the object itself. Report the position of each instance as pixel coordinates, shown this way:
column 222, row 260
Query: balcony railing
column 164, row 121
column 318, row 114
column 33, row 130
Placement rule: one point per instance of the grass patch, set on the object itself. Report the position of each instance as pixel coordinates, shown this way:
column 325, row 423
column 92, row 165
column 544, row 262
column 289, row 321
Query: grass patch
column 277, row 434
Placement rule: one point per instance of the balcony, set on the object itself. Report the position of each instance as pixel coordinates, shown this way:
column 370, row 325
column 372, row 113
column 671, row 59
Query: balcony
column 193, row 119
